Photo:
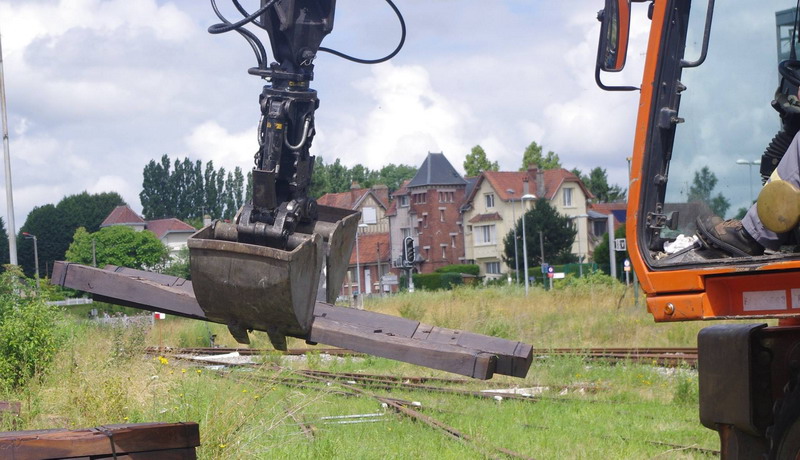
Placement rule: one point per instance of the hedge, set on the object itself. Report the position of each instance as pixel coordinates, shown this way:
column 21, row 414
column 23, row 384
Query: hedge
column 436, row 281
column 469, row 269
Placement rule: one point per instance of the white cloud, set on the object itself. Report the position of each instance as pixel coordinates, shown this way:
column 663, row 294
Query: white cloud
column 211, row 142
column 408, row 118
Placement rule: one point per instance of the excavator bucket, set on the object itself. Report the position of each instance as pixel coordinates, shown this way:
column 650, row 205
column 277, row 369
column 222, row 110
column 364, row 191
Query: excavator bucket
column 254, row 287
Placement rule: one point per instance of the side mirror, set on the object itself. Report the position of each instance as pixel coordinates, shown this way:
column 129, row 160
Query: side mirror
column 613, row 46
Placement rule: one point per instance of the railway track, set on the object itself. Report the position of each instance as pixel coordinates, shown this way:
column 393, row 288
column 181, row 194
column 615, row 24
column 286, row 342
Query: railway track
column 666, row 357
column 379, row 387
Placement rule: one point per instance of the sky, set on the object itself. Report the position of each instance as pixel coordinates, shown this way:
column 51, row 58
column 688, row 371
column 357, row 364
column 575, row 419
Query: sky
column 96, row 89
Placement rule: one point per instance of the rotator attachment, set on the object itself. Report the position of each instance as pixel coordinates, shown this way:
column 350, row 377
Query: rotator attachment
column 262, row 271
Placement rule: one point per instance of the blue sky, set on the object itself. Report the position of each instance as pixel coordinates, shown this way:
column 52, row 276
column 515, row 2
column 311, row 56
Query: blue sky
column 97, row 88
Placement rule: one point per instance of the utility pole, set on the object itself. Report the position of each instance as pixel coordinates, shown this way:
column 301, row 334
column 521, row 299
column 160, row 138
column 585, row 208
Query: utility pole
column 12, row 228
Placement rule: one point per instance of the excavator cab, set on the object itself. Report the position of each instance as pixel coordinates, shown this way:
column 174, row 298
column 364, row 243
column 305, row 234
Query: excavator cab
column 711, row 129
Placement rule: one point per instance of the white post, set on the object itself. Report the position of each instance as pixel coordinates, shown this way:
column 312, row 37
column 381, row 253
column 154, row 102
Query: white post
column 612, row 254
column 524, row 250
column 12, row 229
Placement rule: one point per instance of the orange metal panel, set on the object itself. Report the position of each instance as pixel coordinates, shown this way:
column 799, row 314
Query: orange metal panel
column 640, row 139
column 754, row 295
column 679, row 307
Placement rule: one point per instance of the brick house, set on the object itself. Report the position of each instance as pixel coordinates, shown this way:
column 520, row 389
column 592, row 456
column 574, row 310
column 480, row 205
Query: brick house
column 426, row 208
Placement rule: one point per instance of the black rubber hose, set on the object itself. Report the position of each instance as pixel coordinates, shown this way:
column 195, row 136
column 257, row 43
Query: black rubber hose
column 773, row 154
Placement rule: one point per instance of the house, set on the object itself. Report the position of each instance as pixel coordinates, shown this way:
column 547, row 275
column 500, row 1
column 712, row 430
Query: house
column 371, row 257
column 427, row 208
column 498, row 200
column 174, row 233
column 598, row 220
column 372, row 203
column 370, row 271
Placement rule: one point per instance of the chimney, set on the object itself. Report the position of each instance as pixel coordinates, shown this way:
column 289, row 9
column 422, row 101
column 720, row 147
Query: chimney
column 206, row 220
column 540, row 183
column 525, row 186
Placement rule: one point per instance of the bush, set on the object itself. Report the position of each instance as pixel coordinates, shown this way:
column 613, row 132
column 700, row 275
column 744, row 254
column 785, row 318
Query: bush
column 594, row 278
column 29, row 334
column 436, row 281
column 469, row 269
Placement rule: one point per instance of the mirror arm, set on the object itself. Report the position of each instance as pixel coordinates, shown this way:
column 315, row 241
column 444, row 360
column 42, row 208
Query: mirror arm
column 610, row 88
column 706, row 34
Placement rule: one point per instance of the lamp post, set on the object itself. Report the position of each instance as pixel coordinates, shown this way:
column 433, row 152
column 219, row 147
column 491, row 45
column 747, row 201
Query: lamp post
column 358, row 262
column 750, row 177
column 29, row 236
column 516, row 254
column 527, row 196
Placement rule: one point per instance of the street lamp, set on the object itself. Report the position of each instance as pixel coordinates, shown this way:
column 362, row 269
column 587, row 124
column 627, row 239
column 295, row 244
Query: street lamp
column 750, row 167
column 527, row 196
column 358, row 262
column 516, row 254
column 29, row 236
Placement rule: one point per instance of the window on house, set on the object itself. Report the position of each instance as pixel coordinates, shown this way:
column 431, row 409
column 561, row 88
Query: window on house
column 403, row 201
column 567, row 192
column 369, row 215
column 425, row 220
column 493, row 268
column 489, row 200
column 447, row 196
column 599, row 227
column 419, row 198
column 441, row 215
column 444, row 251
column 453, row 240
column 485, row 234
column 406, row 231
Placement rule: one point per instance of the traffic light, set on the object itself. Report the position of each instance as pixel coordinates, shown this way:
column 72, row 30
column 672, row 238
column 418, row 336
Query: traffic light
column 408, row 251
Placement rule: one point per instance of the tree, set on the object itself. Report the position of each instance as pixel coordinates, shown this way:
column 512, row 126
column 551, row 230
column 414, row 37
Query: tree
column 558, row 235
column 533, row 157
column 600, row 254
column 394, row 175
column 5, row 258
column 597, row 183
column 118, row 245
column 156, row 194
column 54, row 226
column 702, row 188
column 477, row 162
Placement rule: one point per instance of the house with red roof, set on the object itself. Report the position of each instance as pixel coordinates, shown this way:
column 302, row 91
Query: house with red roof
column 372, row 202
column 496, row 202
column 174, row 233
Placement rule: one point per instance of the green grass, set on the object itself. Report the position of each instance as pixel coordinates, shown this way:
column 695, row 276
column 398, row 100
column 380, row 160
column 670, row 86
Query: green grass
column 102, row 377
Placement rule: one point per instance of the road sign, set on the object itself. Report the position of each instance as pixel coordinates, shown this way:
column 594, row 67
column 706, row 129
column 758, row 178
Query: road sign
column 544, row 268
column 559, row 275
column 550, row 269
column 627, row 265
column 620, row 244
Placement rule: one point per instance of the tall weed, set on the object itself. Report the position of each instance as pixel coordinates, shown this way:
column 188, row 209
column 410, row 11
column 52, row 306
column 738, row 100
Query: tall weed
column 29, row 332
